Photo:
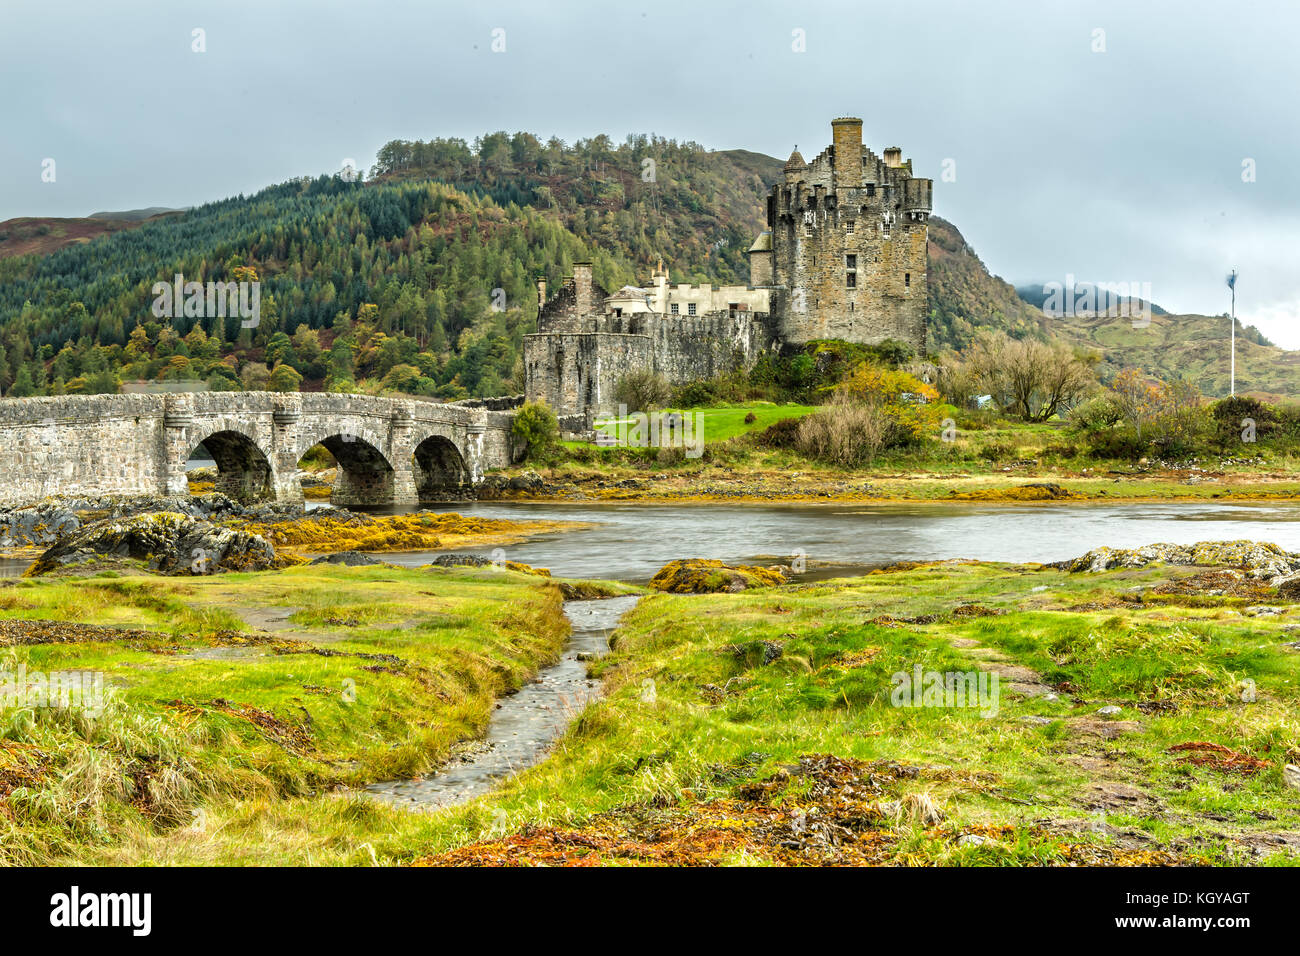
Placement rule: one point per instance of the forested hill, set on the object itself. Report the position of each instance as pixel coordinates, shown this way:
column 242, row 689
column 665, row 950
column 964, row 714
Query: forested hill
column 648, row 197
column 387, row 284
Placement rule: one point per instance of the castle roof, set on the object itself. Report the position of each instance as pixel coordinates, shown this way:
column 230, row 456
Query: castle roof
column 795, row 162
column 763, row 243
column 630, row 292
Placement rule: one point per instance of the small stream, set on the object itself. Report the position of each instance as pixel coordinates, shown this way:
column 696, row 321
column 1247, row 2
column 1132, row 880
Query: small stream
column 526, row 723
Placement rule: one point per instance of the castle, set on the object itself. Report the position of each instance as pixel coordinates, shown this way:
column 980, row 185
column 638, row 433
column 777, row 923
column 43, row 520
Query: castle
column 843, row 257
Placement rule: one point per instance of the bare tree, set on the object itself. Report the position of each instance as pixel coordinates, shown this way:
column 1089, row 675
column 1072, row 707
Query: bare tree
column 1030, row 379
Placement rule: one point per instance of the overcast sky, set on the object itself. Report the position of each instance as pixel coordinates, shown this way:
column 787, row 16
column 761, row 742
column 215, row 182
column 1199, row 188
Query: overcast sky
column 1122, row 165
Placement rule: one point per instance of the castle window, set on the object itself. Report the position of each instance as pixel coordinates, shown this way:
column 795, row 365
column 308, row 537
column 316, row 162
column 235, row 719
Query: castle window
column 675, row 308
column 690, row 308
column 850, row 261
column 907, row 280
column 871, row 189
column 848, row 227
column 851, row 280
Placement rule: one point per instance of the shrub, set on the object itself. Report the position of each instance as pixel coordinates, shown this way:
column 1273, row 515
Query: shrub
column 695, row 394
column 844, row 433
column 1231, row 418
column 536, row 425
column 999, row 451
column 783, row 434
column 642, row 391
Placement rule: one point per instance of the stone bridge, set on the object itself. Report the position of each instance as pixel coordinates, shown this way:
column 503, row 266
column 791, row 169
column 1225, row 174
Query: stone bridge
column 389, row 450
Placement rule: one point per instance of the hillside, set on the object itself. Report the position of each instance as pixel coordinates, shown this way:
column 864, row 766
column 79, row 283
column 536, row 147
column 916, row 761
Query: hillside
column 965, row 297
column 1194, row 347
column 41, row 236
column 648, row 198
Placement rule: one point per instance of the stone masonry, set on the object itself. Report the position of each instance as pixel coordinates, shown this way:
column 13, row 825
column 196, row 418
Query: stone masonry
column 389, row 450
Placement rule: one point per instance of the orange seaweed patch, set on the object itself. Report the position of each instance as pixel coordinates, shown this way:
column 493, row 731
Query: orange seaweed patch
column 1201, row 753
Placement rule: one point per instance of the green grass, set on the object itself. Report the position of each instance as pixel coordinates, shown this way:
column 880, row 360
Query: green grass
column 721, row 422
column 719, row 720
column 413, row 662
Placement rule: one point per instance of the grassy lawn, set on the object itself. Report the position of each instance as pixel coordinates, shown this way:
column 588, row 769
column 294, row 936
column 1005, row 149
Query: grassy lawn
column 762, row 727
column 721, row 422
column 364, row 674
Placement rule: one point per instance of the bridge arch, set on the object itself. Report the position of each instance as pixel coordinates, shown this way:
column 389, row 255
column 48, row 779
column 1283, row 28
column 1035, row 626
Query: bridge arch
column 441, row 473
column 364, row 475
column 244, row 470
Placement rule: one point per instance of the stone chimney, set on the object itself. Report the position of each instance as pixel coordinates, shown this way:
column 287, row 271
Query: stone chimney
column 893, row 157
column 541, row 293
column 846, row 135
column 582, row 288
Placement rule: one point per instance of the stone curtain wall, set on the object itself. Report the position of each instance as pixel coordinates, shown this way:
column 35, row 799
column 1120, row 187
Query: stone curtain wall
column 578, row 373
column 130, row 444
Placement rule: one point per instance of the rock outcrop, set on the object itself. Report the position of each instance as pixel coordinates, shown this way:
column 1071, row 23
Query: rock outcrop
column 1260, row 559
column 701, row 576
column 164, row 542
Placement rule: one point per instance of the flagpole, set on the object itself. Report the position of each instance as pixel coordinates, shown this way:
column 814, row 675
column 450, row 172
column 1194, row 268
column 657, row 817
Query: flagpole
column 1232, row 373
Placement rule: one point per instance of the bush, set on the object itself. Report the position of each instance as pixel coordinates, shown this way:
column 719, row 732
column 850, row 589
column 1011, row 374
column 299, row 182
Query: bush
column 1094, row 415
column 1061, row 451
column 1232, row 416
column 999, row 451
column 695, row 395
column 536, row 425
column 783, row 434
column 844, row 433
column 642, row 391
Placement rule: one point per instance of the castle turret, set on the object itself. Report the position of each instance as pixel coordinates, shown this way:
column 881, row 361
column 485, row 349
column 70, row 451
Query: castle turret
column 760, row 260
column 794, row 167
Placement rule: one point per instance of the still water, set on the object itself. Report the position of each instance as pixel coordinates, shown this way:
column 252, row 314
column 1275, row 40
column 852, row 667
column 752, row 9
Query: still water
column 632, row 541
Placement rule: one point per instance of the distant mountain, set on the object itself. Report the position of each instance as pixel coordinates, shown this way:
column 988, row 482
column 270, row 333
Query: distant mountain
column 44, row 235
column 135, row 215
column 1038, row 293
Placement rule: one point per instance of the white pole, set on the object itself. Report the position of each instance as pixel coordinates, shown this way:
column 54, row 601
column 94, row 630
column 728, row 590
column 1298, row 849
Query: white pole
column 1232, row 373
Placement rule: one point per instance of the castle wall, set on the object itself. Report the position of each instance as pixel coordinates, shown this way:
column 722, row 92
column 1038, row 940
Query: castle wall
column 690, row 349
column 579, row 371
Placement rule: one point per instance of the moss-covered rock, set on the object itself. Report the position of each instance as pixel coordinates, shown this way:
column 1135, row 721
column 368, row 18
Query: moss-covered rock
column 1261, row 559
column 166, row 542
column 702, row 576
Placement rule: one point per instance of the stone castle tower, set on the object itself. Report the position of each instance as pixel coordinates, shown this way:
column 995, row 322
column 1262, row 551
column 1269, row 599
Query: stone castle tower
column 844, row 257
column 846, row 245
